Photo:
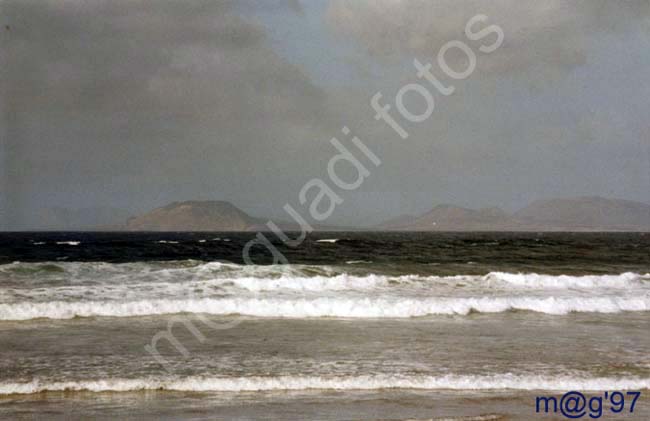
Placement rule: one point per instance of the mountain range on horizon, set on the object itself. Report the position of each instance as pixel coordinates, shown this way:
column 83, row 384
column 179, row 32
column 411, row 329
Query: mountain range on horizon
column 586, row 213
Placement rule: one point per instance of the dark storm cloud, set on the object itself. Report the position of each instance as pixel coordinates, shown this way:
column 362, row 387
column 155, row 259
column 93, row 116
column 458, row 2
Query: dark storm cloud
column 144, row 92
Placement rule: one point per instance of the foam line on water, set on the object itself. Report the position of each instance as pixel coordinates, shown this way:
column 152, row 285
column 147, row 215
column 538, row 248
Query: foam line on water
column 374, row 382
column 344, row 307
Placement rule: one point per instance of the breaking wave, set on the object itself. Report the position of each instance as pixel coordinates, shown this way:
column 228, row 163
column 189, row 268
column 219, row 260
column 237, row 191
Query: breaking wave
column 73, row 289
column 534, row 280
column 343, row 307
column 244, row 384
column 291, row 277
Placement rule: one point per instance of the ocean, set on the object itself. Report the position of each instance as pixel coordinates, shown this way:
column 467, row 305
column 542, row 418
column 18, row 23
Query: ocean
column 358, row 325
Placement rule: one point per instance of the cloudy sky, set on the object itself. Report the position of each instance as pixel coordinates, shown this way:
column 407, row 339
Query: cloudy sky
column 132, row 104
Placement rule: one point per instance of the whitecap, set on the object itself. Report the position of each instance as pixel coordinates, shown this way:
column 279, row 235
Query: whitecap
column 540, row 281
column 328, row 240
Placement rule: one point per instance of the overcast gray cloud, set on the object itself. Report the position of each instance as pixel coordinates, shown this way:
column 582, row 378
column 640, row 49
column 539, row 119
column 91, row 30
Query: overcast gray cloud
column 555, row 33
column 132, row 104
column 556, row 110
column 171, row 98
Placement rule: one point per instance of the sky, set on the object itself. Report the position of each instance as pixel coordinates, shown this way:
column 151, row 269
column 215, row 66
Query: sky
column 132, row 104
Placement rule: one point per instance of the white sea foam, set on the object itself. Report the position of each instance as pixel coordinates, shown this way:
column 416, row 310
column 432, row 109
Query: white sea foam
column 345, row 307
column 69, row 243
column 69, row 289
column 534, row 280
column 107, row 282
column 261, row 278
column 328, row 240
column 303, row 277
column 318, row 283
column 374, row 382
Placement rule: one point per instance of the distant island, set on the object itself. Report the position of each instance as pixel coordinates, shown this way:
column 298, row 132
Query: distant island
column 559, row 214
column 194, row 216
column 562, row 214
